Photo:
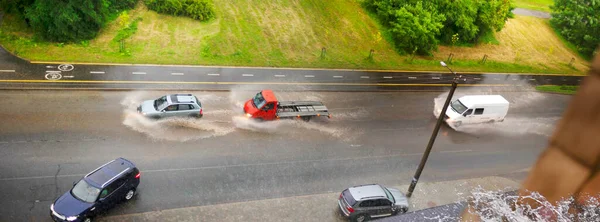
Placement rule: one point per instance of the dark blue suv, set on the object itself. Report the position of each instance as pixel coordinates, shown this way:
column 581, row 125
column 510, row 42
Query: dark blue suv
column 98, row 191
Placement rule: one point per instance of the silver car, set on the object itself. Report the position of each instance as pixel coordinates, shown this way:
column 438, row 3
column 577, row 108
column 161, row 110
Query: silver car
column 182, row 105
column 361, row 203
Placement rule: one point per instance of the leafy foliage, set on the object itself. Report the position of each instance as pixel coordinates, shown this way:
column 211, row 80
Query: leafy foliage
column 578, row 22
column 470, row 19
column 66, row 20
column 202, row 10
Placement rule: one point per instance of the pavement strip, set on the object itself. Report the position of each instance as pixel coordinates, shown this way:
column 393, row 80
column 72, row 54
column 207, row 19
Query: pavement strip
column 317, row 207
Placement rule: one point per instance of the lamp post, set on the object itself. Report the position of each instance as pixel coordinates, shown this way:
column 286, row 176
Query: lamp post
column 415, row 179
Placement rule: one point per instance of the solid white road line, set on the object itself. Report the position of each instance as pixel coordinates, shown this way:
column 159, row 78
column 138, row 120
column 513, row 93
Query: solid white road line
column 247, row 74
column 213, row 74
column 138, row 73
column 97, row 72
column 177, row 74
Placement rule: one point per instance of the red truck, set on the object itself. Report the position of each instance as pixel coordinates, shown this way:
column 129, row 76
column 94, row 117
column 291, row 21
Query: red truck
column 264, row 106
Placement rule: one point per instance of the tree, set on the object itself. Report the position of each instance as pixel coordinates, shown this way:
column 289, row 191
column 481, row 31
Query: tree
column 470, row 19
column 71, row 20
column 578, row 22
column 415, row 28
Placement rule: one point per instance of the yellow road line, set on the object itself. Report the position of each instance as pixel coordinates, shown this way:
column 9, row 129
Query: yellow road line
column 240, row 83
column 442, row 71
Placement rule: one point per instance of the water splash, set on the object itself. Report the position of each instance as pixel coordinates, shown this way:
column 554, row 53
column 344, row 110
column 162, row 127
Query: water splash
column 512, row 125
column 177, row 128
column 498, row 206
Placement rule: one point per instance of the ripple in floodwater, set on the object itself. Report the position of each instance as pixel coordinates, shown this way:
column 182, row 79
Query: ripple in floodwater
column 176, row 129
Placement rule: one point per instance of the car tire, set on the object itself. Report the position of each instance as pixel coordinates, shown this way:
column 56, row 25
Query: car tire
column 361, row 218
column 306, row 119
column 129, row 195
column 403, row 210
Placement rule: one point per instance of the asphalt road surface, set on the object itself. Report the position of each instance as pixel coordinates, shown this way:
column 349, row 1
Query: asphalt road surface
column 18, row 74
column 48, row 139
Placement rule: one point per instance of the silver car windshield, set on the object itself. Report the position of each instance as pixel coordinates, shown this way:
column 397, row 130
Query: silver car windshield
column 160, row 103
column 259, row 100
column 389, row 195
column 85, row 192
column 458, row 107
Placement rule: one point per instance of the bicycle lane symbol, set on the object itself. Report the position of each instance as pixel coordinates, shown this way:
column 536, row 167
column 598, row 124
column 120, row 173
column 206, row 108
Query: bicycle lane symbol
column 53, row 75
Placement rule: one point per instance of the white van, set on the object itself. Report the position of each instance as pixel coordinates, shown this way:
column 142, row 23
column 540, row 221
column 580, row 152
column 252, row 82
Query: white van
column 475, row 109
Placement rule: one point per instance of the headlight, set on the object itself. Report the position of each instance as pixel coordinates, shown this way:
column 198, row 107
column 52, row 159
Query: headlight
column 52, row 207
column 72, row 218
column 248, row 115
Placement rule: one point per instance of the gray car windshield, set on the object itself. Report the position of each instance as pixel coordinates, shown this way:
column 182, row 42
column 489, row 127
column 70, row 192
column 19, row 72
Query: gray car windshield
column 160, row 103
column 389, row 195
column 259, row 100
column 458, row 107
column 85, row 192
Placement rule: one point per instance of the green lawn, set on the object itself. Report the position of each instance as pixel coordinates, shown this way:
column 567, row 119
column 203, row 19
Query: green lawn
column 569, row 90
column 539, row 5
column 289, row 33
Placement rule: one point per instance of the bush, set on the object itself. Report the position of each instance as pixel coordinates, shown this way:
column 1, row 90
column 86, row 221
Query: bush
column 120, row 5
column 578, row 22
column 202, row 10
column 470, row 19
column 67, row 21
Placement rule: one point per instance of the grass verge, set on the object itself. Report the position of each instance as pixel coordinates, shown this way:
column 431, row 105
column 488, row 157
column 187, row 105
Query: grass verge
column 295, row 33
column 568, row 90
column 539, row 5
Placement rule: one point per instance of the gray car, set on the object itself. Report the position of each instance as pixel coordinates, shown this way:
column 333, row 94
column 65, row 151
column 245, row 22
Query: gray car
column 361, row 203
column 182, row 105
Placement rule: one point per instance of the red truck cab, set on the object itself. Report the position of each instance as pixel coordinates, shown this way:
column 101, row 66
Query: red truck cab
column 262, row 106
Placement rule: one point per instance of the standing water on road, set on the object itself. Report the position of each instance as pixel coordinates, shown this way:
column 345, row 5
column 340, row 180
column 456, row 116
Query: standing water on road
column 214, row 122
column 519, row 119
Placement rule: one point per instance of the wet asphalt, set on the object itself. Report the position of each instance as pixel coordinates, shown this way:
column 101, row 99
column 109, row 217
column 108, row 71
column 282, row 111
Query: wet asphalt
column 48, row 139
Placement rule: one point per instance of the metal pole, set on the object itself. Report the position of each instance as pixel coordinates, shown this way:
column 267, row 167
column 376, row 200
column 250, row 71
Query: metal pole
column 415, row 179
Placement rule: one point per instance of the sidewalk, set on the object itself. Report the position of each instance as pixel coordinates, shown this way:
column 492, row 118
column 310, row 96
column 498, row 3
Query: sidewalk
column 318, row 207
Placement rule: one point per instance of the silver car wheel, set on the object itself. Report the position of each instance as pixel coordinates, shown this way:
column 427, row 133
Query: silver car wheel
column 129, row 195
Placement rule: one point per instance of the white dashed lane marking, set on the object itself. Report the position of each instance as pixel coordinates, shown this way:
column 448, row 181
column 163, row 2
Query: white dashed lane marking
column 248, row 75
column 97, row 72
column 412, row 77
column 435, row 77
column 338, row 77
column 309, row 76
column 177, row 74
column 364, row 77
column 279, row 75
column 7, row 70
column 213, row 74
column 138, row 73
column 387, row 77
